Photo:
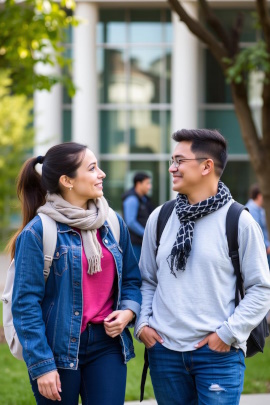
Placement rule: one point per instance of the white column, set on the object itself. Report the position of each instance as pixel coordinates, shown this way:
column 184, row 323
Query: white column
column 85, row 115
column 185, row 73
column 47, row 114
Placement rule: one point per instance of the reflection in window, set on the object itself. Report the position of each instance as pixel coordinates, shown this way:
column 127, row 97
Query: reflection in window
column 145, row 75
column 111, row 28
column 216, row 88
column 229, row 17
column 112, row 132
column 227, row 123
column 114, row 182
column 145, row 132
column 112, row 76
column 145, row 26
column 239, row 185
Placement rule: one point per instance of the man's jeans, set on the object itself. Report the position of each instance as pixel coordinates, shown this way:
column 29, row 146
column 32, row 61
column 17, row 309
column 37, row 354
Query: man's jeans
column 199, row 377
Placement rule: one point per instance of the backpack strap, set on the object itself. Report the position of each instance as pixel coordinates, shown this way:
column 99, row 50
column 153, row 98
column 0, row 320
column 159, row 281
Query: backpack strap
column 49, row 242
column 163, row 216
column 114, row 224
column 232, row 220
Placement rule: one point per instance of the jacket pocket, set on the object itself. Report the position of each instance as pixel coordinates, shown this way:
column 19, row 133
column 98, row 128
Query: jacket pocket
column 60, row 260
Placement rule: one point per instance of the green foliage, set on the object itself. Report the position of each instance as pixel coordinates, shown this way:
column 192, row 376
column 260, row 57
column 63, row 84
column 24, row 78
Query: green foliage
column 253, row 58
column 16, row 140
column 34, row 31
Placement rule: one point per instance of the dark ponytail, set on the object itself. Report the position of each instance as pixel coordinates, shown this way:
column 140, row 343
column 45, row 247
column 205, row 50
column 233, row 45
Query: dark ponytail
column 62, row 159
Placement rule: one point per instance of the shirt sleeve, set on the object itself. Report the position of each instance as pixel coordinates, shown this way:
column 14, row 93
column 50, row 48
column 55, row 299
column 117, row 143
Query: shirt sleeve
column 131, row 208
column 148, row 268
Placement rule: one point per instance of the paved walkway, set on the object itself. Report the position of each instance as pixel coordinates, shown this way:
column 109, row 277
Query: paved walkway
column 259, row 399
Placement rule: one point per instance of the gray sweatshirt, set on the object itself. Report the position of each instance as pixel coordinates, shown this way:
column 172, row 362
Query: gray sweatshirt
column 201, row 299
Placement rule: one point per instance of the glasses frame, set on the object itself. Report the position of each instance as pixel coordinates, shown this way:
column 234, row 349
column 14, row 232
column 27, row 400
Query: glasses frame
column 177, row 161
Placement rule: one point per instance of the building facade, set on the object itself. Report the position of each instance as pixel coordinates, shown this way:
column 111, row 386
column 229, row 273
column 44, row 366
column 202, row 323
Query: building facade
column 140, row 75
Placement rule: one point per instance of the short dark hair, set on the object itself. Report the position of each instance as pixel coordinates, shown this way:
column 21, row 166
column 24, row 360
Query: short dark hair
column 254, row 191
column 209, row 142
column 139, row 177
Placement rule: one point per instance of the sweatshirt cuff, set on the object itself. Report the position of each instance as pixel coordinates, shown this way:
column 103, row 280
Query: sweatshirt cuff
column 134, row 307
column 225, row 334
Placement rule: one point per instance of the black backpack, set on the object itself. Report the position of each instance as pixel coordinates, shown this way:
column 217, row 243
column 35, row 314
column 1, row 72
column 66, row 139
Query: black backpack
column 256, row 340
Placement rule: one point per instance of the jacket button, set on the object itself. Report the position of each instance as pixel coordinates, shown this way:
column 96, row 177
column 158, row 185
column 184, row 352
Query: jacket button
column 71, row 365
column 57, row 254
column 77, row 313
column 106, row 240
column 73, row 340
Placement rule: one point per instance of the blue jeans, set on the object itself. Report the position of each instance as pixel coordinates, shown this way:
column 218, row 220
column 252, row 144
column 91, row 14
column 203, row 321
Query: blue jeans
column 199, row 377
column 101, row 376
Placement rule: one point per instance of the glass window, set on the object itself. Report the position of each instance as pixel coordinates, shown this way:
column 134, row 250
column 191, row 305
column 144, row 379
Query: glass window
column 67, row 125
column 239, row 185
column 145, row 131
column 168, row 27
column 112, row 27
column 145, row 26
column 112, row 76
column 227, row 123
column 229, row 17
column 145, row 75
column 114, row 182
column 112, row 131
column 216, row 88
column 168, row 64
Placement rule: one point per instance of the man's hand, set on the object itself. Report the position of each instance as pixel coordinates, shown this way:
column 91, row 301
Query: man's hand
column 116, row 322
column 214, row 343
column 149, row 337
column 49, row 385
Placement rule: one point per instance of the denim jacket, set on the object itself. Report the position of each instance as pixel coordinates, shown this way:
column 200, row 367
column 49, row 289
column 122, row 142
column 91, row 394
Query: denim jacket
column 47, row 316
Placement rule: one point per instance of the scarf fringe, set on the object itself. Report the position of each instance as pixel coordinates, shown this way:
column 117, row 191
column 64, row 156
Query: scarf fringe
column 177, row 260
column 94, row 265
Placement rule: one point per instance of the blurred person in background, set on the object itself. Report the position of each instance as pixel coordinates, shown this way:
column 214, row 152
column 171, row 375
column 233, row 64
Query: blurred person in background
column 255, row 206
column 137, row 207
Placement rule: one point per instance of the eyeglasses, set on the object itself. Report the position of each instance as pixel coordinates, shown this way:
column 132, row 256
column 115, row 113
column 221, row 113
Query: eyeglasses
column 177, row 161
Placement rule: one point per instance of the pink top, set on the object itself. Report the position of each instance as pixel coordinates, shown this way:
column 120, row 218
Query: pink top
column 98, row 289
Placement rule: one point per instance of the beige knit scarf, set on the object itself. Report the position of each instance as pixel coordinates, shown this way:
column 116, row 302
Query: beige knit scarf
column 88, row 221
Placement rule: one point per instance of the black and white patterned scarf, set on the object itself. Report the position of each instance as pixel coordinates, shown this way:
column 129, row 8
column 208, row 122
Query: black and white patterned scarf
column 187, row 214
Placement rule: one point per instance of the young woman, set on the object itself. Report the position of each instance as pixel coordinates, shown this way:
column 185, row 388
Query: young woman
column 73, row 327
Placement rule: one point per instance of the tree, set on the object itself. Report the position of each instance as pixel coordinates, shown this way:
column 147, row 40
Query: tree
column 16, row 141
column 33, row 31
column 236, row 65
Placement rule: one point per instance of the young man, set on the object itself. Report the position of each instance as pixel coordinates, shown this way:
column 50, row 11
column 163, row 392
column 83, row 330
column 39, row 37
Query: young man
column 195, row 336
column 136, row 209
column 255, row 206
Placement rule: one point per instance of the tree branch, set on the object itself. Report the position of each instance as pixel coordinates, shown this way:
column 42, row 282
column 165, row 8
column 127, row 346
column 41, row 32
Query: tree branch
column 246, row 122
column 215, row 23
column 217, row 49
column 236, row 31
column 262, row 9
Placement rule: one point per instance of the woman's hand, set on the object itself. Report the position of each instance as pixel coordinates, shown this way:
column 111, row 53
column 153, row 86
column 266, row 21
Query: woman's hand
column 116, row 322
column 49, row 385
